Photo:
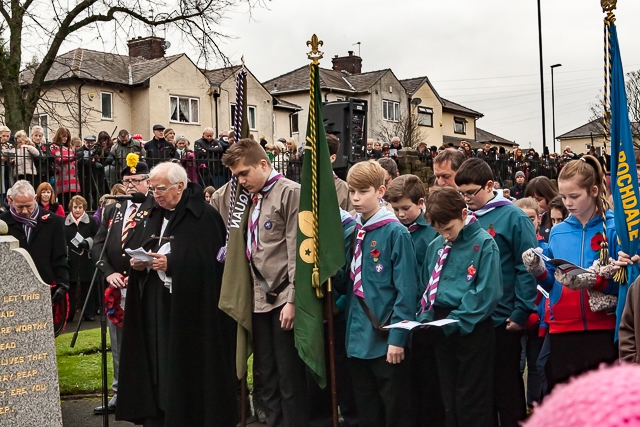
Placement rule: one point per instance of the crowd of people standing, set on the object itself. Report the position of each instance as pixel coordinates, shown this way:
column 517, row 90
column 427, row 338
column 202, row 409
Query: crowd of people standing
column 463, row 252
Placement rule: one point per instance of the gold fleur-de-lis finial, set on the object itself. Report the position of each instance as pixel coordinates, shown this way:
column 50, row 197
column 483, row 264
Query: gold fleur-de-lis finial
column 608, row 5
column 315, row 54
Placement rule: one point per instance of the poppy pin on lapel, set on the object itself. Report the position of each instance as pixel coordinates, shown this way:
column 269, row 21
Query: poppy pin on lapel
column 471, row 271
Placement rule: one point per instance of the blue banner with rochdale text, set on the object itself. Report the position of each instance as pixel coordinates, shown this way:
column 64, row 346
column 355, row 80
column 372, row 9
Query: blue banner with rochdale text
column 624, row 182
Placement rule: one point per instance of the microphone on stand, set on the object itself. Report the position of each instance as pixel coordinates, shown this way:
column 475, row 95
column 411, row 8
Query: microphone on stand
column 135, row 197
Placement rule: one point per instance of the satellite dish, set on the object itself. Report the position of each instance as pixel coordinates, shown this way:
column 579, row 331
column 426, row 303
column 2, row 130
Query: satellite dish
column 166, row 44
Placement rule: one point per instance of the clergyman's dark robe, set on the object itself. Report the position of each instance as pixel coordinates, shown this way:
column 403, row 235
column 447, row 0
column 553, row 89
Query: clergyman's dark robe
column 177, row 364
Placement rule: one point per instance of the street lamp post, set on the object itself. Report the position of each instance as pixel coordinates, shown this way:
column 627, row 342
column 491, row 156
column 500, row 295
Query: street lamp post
column 544, row 136
column 553, row 106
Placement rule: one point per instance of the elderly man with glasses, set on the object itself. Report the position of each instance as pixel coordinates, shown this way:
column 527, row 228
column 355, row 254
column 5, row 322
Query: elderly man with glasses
column 177, row 360
column 127, row 220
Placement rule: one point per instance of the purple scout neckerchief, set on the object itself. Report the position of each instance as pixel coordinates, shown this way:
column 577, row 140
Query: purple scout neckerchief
column 252, row 235
column 379, row 219
column 496, row 202
column 27, row 223
column 345, row 217
column 429, row 296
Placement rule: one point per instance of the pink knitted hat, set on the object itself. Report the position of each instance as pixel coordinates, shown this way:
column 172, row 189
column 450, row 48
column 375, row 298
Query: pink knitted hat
column 607, row 397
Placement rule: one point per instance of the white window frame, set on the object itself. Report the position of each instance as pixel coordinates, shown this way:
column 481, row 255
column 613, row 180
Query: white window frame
column 291, row 123
column 463, row 122
column 190, row 113
column 252, row 126
column 390, row 110
column 425, row 112
column 102, row 116
column 598, row 149
column 37, row 121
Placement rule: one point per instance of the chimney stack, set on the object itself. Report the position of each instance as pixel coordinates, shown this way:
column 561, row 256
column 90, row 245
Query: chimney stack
column 148, row 47
column 351, row 64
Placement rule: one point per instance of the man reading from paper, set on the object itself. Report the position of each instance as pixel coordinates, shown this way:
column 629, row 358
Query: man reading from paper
column 177, row 361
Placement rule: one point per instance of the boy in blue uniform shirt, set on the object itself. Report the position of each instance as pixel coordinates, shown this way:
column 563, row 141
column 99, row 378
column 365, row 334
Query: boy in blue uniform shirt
column 513, row 232
column 462, row 280
column 406, row 195
column 382, row 290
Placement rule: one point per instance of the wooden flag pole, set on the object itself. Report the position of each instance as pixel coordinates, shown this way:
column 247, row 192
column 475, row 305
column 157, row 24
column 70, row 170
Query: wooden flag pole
column 328, row 298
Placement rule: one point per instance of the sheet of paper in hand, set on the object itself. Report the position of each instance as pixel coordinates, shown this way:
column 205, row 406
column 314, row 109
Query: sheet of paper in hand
column 410, row 324
column 139, row 254
column 565, row 267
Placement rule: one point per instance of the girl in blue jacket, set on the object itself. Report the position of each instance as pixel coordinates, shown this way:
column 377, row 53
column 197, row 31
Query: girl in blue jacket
column 581, row 335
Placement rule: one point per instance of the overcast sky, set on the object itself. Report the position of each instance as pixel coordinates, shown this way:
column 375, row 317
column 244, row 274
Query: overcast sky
column 482, row 54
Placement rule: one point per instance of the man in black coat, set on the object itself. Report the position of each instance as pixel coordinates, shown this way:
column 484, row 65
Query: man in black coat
column 41, row 233
column 177, row 366
column 116, row 261
column 208, row 152
column 159, row 149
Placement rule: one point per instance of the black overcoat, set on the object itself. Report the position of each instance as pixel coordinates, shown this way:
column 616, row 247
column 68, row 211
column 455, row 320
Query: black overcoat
column 81, row 266
column 47, row 245
column 177, row 360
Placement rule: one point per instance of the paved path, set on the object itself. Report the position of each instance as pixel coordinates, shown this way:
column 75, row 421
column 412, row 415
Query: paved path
column 79, row 413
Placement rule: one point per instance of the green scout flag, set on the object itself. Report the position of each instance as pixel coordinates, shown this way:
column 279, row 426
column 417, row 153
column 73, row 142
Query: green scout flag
column 320, row 253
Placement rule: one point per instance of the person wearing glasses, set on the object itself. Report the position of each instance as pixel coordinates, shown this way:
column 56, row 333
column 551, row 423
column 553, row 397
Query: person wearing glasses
column 126, row 219
column 514, row 233
column 178, row 354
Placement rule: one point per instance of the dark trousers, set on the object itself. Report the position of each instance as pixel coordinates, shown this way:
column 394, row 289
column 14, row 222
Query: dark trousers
column 531, row 346
column 573, row 353
column 382, row 392
column 428, row 407
column 284, row 386
column 320, row 410
column 509, row 401
column 465, row 364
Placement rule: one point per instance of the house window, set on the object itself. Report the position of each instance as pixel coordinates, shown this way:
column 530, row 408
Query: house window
column 460, row 125
column 184, row 110
column 251, row 116
column 294, row 123
column 425, row 116
column 41, row 120
column 390, row 110
column 107, row 105
column 598, row 150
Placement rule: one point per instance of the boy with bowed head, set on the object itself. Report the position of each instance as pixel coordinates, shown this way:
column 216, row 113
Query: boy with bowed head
column 514, row 234
column 382, row 290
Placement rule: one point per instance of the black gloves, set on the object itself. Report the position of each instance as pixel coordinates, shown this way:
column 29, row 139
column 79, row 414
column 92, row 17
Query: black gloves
column 83, row 245
column 60, row 292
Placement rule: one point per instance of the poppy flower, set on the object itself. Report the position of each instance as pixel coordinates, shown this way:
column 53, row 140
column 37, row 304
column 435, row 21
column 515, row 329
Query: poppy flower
column 491, row 231
column 471, row 270
column 45, row 216
column 375, row 253
column 596, row 241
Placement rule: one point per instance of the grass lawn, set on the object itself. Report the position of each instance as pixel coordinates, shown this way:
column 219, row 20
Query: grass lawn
column 79, row 368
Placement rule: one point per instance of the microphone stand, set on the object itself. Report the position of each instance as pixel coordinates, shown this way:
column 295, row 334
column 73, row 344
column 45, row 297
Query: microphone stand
column 103, row 319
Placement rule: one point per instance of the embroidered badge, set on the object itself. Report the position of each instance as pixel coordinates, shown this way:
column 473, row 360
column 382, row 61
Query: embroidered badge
column 44, row 217
column 476, row 248
column 373, row 243
column 471, row 271
column 440, row 252
column 379, row 268
column 491, row 230
column 268, row 225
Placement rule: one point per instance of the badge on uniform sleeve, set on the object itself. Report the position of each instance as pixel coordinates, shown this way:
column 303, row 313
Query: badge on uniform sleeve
column 268, row 225
column 476, row 248
column 379, row 268
column 471, row 271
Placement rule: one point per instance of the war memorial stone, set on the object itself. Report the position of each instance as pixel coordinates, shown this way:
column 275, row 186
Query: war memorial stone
column 29, row 390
